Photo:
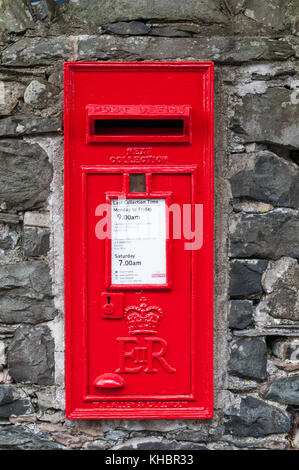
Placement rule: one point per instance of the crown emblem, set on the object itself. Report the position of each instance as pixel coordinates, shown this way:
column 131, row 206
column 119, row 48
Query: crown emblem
column 143, row 319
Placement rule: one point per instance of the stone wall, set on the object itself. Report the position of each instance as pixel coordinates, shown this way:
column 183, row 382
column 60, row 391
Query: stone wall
column 254, row 44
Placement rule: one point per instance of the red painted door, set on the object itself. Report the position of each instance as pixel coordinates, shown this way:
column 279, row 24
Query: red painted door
column 111, row 345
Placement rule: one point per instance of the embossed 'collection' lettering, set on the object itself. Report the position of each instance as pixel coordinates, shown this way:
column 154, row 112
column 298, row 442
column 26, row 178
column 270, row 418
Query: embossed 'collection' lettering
column 138, row 159
column 139, row 155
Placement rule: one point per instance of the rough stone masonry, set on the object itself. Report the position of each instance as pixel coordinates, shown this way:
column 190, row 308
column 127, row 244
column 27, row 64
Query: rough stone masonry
column 255, row 47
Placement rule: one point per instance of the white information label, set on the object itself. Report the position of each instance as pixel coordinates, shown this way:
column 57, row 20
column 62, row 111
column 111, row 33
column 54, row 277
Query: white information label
column 138, row 241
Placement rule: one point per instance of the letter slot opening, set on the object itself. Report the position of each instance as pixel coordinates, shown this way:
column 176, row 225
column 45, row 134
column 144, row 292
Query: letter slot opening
column 132, row 123
column 146, row 127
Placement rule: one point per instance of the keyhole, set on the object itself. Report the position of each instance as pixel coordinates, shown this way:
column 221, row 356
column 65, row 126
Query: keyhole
column 108, row 300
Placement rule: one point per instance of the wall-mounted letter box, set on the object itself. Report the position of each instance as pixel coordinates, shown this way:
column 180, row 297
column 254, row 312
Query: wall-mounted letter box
column 139, row 239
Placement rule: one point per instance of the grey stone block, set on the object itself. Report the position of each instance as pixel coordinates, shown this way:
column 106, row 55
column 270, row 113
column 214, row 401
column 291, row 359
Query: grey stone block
column 9, row 237
column 284, row 390
column 25, row 175
column 109, row 11
column 257, row 419
column 20, row 125
column 12, row 219
column 36, row 241
column 281, row 283
column 270, row 117
column 38, row 50
column 130, row 28
column 270, row 235
column 12, row 91
column 158, row 444
column 13, row 403
column 240, row 314
column 39, row 94
column 219, row 49
column 248, row 358
column 270, row 13
column 7, row 394
column 246, row 276
column 25, row 293
column 44, row 51
column 267, row 178
column 31, row 355
column 177, row 30
column 21, row 438
column 15, row 16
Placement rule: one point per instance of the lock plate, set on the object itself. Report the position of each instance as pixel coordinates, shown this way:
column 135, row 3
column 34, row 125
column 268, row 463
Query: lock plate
column 112, row 305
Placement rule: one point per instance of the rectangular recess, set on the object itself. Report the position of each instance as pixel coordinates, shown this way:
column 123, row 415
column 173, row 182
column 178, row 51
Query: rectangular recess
column 138, row 241
column 137, row 183
column 131, row 127
column 140, row 400
column 167, row 281
column 138, row 123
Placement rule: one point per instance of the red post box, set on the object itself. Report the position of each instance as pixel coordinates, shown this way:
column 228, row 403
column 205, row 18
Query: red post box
column 139, row 239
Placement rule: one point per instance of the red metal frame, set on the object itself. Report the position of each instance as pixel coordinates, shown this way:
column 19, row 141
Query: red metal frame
column 81, row 400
